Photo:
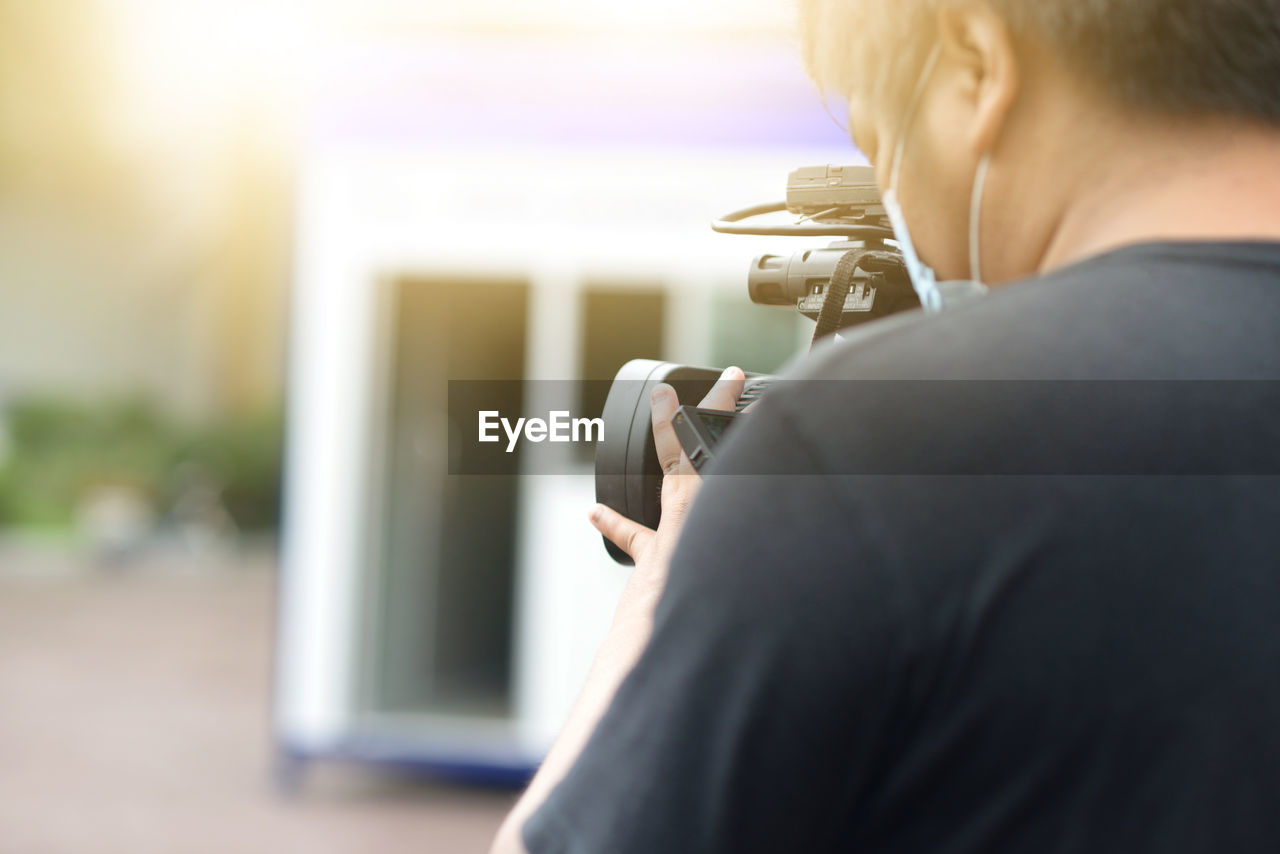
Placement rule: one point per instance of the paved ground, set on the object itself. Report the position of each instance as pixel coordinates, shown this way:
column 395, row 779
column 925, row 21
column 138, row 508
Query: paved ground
column 134, row 718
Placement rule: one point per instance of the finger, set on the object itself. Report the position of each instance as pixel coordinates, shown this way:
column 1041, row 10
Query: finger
column 630, row 536
column 678, row 492
column 663, row 404
column 725, row 393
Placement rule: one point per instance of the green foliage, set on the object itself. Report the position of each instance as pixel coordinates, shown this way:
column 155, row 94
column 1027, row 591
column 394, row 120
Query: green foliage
column 57, row 451
column 243, row 457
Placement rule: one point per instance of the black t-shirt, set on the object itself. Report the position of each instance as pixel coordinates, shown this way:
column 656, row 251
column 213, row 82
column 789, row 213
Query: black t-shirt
column 1051, row 623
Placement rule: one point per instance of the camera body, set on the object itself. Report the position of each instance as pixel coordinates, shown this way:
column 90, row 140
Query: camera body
column 852, row 281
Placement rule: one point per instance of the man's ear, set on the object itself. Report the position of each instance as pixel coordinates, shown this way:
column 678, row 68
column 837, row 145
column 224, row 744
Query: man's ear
column 978, row 47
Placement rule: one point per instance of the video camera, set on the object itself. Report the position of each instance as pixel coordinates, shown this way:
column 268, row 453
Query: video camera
column 855, row 280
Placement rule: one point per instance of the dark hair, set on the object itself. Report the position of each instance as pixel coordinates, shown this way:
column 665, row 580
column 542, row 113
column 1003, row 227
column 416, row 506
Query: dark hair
column 1184, row 57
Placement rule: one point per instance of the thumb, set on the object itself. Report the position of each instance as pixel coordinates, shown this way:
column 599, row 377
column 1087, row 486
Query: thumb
column 631, row 537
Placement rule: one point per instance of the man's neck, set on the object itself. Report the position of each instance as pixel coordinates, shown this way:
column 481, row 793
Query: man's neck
column 1208, row 182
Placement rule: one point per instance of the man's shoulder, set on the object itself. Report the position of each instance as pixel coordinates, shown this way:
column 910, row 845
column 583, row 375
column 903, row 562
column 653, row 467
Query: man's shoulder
column 1150, row 311
column 958, row 391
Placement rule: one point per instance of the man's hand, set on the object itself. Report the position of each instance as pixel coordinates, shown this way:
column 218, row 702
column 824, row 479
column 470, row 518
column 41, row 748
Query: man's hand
column 632, row 622
column 649, row 549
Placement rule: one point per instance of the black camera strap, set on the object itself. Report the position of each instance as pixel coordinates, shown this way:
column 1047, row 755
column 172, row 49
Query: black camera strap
column 831, row 316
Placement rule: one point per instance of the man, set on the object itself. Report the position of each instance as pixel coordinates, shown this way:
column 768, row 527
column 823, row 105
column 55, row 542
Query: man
column 1035, row 607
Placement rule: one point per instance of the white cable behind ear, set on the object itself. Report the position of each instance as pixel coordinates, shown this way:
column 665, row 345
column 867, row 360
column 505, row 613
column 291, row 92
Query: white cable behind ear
column 975, row 218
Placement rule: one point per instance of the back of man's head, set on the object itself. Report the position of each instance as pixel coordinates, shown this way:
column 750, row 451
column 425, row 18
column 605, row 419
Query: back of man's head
column 1091, row 123
column 1182, row 57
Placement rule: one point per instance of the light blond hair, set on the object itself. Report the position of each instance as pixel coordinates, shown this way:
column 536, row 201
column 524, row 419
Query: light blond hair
column 861, row 45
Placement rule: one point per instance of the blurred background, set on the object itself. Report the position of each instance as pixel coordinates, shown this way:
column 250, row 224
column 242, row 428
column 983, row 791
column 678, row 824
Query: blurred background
column 244, row 247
